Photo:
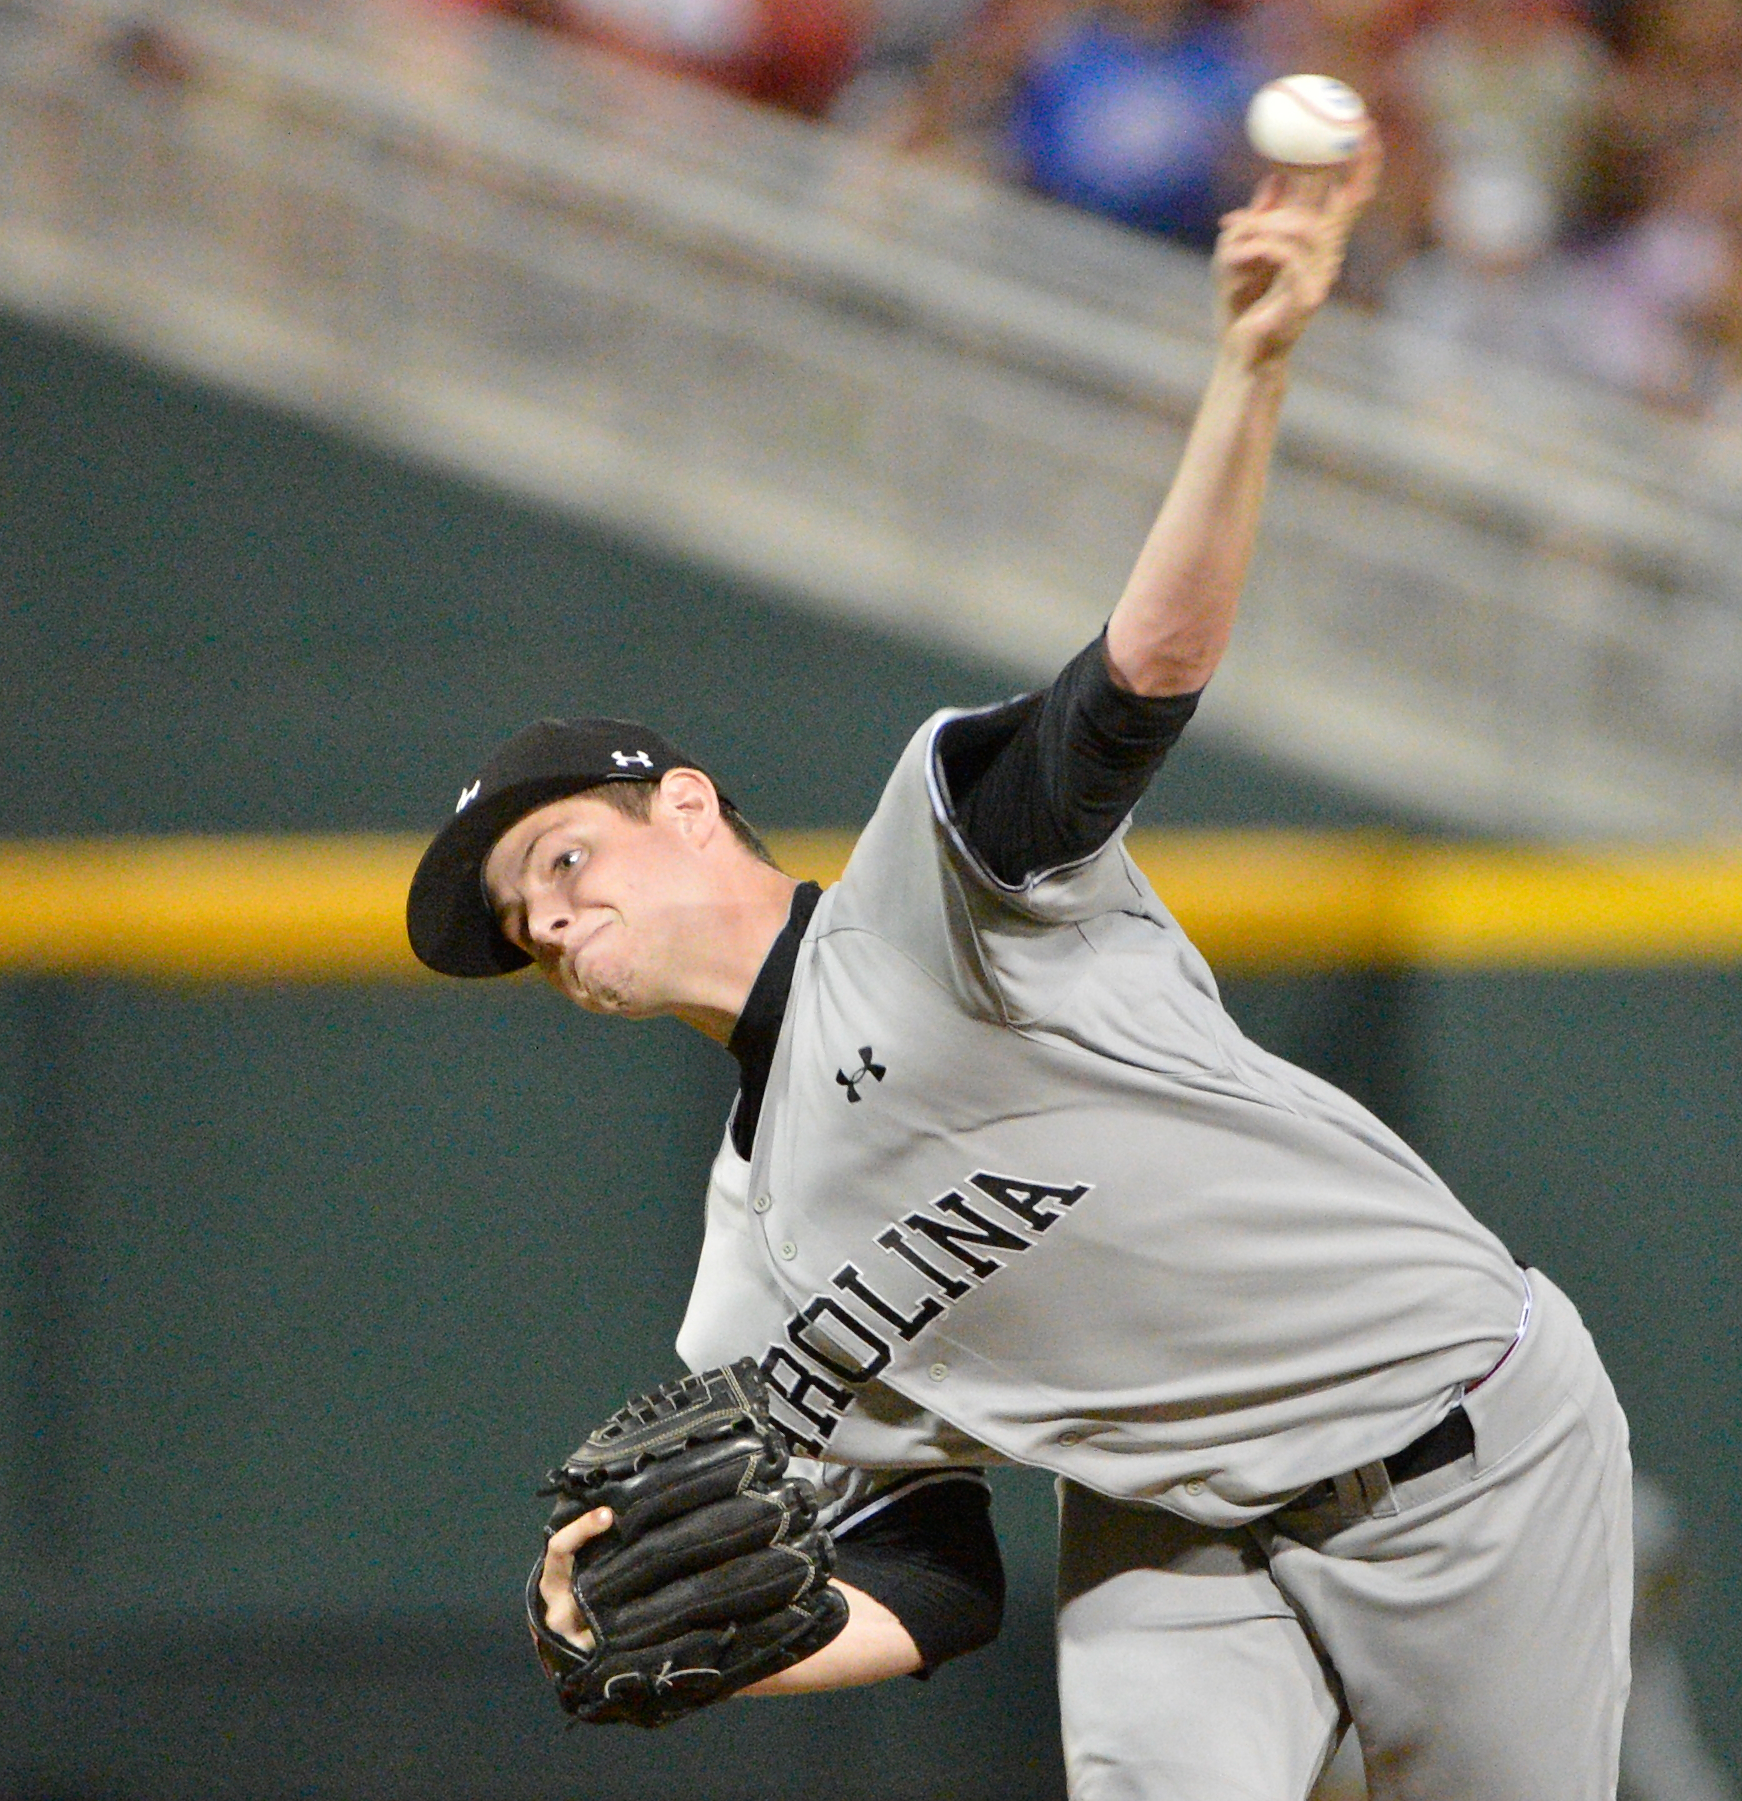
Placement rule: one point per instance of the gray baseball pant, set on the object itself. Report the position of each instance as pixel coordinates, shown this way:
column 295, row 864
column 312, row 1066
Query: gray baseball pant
column 1473, row 1622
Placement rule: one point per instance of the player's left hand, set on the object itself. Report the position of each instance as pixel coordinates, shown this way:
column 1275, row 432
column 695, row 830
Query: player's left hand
column 561, row 1612
column 681, row 1563
column 1279, row 257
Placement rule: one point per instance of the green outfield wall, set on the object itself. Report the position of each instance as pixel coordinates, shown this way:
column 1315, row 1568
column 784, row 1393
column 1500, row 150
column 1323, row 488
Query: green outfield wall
column 301, row 1287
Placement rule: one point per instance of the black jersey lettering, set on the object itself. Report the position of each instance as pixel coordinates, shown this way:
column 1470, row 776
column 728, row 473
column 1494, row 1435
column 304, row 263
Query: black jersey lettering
column 897, row 1246
column 810, row 1319
column 956, row 1239
column 849, row 1281
column 1027, row 1200
column 797, row 1385
column 813, row 1375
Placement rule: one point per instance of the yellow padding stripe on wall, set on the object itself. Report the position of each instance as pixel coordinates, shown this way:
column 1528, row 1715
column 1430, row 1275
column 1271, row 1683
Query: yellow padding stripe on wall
column 332, row 909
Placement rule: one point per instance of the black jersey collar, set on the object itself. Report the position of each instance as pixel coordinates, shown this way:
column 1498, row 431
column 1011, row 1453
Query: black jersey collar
column 758, row 1029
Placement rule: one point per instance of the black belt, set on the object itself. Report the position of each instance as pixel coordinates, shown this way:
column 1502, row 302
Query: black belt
column 1439, row 1445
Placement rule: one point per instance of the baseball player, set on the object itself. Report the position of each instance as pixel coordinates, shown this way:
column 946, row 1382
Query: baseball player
column 1003, row 1182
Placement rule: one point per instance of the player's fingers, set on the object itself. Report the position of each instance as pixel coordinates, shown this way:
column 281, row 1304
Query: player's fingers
column 563, row 1617
column 562, row 1613
column 1256, row 253
column 576, row 1533
column 1286, row 303
column 1306, row 190
column 554, row 1585
column 1304, row 260
column 1266, row 194
column 1239, row 218
column 1306, row 223
column 1360, row 175
column 1288, row 236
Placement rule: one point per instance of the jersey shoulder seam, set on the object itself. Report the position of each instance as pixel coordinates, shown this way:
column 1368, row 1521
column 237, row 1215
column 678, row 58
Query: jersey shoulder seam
column 889, row 944
column 943, row 815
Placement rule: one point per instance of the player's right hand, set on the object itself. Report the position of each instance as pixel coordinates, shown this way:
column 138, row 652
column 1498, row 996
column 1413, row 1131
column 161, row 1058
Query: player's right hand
column 1279, row 257
column 561, row 1614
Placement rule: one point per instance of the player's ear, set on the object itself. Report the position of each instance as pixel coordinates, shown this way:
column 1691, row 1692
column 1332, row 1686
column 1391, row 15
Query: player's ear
column 687, row 799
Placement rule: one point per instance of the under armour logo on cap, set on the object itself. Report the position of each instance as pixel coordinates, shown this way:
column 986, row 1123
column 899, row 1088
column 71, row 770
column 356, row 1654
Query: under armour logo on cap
column 631, row 759
column 468, row 795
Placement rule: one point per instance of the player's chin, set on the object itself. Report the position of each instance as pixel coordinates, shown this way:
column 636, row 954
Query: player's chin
column 608, row 992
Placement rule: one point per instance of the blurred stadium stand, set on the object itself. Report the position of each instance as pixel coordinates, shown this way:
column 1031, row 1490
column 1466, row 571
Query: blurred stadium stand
column 910, row 397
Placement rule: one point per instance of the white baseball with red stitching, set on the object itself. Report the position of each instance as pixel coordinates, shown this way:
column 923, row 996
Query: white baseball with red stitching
column 1306, row 119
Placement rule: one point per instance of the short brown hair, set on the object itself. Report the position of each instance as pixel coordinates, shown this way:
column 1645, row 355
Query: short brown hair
column 634, row 800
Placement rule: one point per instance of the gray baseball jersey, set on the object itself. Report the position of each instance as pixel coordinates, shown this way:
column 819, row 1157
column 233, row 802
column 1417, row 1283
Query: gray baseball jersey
column 1021, row 1189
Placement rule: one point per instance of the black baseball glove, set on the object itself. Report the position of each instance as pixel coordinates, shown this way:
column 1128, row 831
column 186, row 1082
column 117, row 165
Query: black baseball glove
column 713, row 1573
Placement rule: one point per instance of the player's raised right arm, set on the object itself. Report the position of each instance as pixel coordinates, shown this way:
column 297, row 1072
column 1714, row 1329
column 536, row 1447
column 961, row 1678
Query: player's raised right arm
column 1276, row 261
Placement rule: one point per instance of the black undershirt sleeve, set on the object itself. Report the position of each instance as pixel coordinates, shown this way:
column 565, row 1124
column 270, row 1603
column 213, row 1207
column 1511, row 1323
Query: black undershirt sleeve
column 931, row 1558
column 1046, row 779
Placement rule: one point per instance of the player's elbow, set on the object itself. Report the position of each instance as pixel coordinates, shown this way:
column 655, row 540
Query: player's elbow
column 975, row 1621
column 1178, row 662
column 931, row 1559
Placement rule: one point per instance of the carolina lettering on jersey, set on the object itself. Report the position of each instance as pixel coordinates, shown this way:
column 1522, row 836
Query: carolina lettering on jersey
column 838, row 1341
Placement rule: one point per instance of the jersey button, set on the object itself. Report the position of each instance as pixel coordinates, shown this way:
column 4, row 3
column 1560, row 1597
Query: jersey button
column 1070, row 1438
column 789, row 1250
column 762, row 1203
column 938, row 1371
column 1195, row 1486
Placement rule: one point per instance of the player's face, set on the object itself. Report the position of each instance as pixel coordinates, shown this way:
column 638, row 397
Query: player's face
column 604, row 904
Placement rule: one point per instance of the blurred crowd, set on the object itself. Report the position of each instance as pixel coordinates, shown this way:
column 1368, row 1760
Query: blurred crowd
column 1564, row 177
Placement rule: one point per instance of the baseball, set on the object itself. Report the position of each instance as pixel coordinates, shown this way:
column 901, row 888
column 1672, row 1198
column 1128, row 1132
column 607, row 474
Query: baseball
column 1305, row 119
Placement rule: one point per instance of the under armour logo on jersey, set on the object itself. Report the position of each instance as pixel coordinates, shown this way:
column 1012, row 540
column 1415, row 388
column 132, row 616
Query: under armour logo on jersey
column 631, row 759
column 876, row 1071
column 468, row 795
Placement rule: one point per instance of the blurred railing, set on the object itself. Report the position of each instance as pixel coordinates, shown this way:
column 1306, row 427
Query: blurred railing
column 332, row 909
column 896, row 392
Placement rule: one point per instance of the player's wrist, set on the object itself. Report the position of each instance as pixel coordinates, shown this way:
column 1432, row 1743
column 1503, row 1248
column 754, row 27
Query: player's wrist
column 1247, row 380
column 1260, row 362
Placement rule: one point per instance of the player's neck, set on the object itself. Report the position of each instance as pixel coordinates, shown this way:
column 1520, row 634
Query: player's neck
column 752, row 907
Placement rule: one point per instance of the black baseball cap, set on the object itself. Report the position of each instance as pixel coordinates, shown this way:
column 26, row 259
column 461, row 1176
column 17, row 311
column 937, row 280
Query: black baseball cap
column 450, row 923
